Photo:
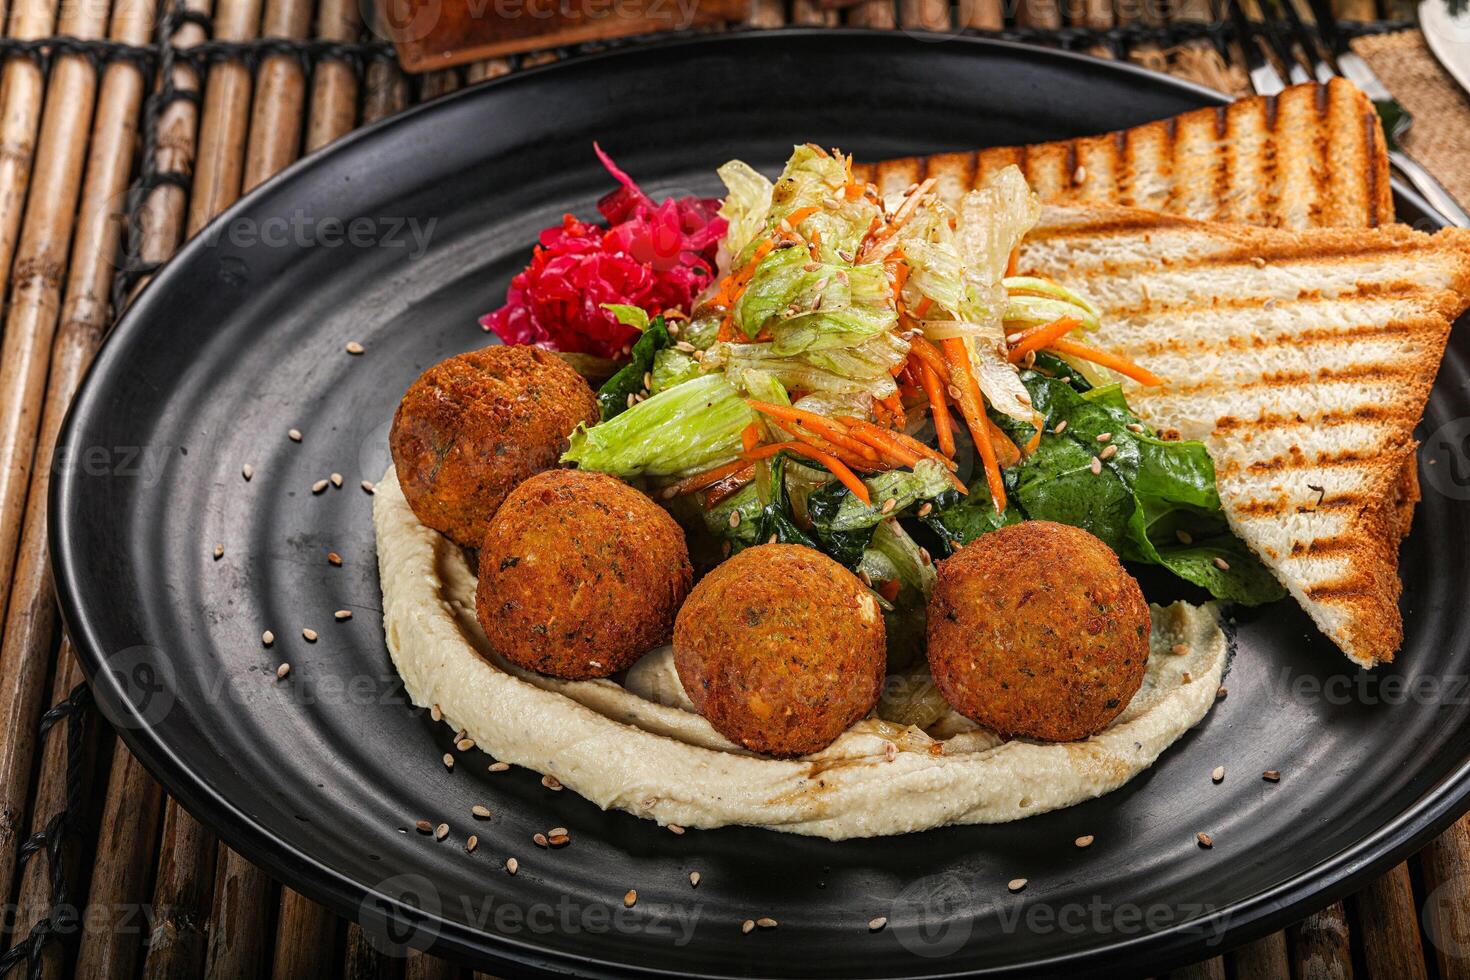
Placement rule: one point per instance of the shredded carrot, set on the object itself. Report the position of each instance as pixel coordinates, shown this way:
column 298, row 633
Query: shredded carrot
column 858, row 458
column 701, row 480
column 833, row 432
column 1014, row 260
column 900, row 276
column 853, row 191
column 1039, row 337
column 909, row 206
column 920, row 347
column 837, row 467
column 750, row 436
column 973, row 410
column 1033, row 442
column 895, row 406
column 729, row 486
column 939, row 408
column 899, row 454
column 889, row 590
column 923, row 307
column 897, row 441
column 800, row 214
column 1122, row 365
column 1006, row 451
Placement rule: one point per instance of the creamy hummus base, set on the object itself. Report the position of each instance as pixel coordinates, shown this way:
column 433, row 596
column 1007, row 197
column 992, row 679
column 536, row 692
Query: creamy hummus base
column 643, row 749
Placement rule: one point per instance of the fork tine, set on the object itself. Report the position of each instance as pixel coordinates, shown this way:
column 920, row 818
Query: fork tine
column 1307, row 41
column 1265, row 79
column 1271, row 27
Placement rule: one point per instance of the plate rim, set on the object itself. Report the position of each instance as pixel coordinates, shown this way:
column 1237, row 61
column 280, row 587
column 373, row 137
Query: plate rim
column 1426, row 816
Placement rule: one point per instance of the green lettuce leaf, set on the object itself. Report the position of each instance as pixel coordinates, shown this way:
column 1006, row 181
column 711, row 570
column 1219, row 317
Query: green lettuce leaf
column 686, row 429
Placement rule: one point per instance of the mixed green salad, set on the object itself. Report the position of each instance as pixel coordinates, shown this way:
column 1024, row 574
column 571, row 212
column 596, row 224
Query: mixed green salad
column 867, row 376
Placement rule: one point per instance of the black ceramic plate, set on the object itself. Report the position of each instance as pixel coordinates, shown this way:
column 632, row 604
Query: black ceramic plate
column 321, row 777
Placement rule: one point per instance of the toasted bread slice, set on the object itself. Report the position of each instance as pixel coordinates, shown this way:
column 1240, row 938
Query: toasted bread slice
column 1303, row 359
column 1311, row 157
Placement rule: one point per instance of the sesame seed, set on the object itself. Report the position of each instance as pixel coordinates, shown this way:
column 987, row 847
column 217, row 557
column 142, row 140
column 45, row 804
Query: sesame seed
column 866, row 578
column 1205, row 840
column 559, row 840
column 367, row 486
column 309, row 634
column 267, row 638
column 684, row 346
column 954, row 393
column 282, row 671
column 1104, row 436
column 1222, row 564
column 770, row 540
column 632, row 399
column 766, row 922
column 441, row 831
column 319, row 486
column 551, row 783
column 423, row 826
column 539, row 839
column 336, row 479
column 1186, row 676
column 472, row 843
column 1096, row 466
column 734, row 518
column 888, row 505
column 465, row 744
column 512, row 865
column 1084, row 841
column 1258, row 262
column 342, row 615
column 676, row 830
column 334, row 558
column 630, row 898
column 1179, row 649
column 1016, row 884
column 247, row 471
column 294, row 435
column 1184, row 537
column 1012, row 338
column 1108, row 453
column 557, row 832
column 1272, row 775
column 480, row 811
column 353, row 347
column 1135, row 427
column 1079, row 175
column 672, row 328
column 747, row 926
column 1220, row 693
column 1061, row 427
column 448, row 761
column 499, row 766
column 694, row 877
column 1218, row 775
column 435, row 712
column 219, row 552
column 926, row 509
column 877, row 923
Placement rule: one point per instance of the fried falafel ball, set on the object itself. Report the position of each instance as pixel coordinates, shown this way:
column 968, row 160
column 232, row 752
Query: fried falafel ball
column 1036, row 631
column 781, row 649
column 474, row 426
column 580, row 575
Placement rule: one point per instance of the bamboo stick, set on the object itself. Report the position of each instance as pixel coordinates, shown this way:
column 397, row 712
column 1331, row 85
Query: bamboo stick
column 1385, row 916
column 924, row 15
column 387, row 90
column 239, row 922
column 872, row 13
column 1319, row 946
column 766, row 13
column 363, row 961
column 334, row 84
column 807, row 12
column 437, row 83
column 1212, row 969
column 1264, row 959
column 480, row 71
column 306, row 938
column 181, row 898
column 226, row 114
column 1446, row 866
column 21, row 91
column 30, row 326
column 987, row 15
column 280, row 91
column 422, row 966
column 126, row 843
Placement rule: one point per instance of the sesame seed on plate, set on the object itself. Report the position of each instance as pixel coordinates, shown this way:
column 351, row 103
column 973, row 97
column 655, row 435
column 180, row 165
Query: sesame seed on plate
column 334, row 558
column 1205, row 840
column 1108, row 453
column 1220, row 693
column 676, row 829
column 1222, row 564
column 465, row 744
column 1218, row 775
column 441, row 831
column 435, row 712
column 247, row 471
column 694, row 877
column 267, row 638
column 353, row 347
column 499, row 766
column 1016, row 884
column 342, row 615
column 448, row 761
column 368, row 487
column 766, row 922
column 219, row 552
column 1272, row 775
column 630, row 898
column 294, row 435
column 512, row 865
column 1084, row 841
column 423, row 826
column 747, row 926
column 551, row 783
column 1096, row 466
column 336, row 479
column 472, row 843
column 877, row 923
column 539, row 839
column 319, row 486
column 559, row 840
column 282, row 671
column 309, row 634
column 480, row 811
column 557, row 832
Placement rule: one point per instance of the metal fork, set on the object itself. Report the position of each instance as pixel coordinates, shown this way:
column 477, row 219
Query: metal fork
column 1304, row 59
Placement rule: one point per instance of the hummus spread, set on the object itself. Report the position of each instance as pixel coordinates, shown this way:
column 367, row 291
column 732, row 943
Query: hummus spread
column 640, row 747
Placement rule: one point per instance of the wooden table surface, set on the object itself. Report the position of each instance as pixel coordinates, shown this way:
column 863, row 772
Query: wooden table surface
column 161, row 896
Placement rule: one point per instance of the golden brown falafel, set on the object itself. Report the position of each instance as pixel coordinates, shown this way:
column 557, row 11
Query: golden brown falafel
column 1035, row 630
column 580, row 575
column 474, row 426
column 781, row 649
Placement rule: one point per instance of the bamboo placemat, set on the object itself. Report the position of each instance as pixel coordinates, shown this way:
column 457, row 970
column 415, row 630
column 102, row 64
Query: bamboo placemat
column 121, row 140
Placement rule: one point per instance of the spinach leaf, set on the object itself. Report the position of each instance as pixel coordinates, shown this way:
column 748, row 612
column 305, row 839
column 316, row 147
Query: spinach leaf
column 613, row 395
column 957, row 520
column 844, row 524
